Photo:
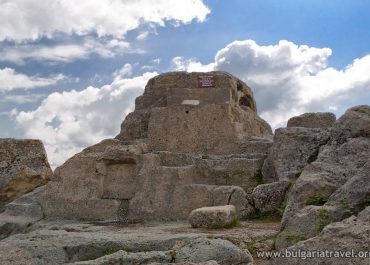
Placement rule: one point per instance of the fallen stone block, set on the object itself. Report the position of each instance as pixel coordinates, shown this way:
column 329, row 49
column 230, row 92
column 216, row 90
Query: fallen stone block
column 214, row 217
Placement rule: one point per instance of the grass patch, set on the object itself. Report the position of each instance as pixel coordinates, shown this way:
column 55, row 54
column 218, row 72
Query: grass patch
column 109, row 251
column 251, row 246
column 323, row 219
column 346, row 206
column 234, row 223
column 281, row 209
column 294, row 237
column 317, row 200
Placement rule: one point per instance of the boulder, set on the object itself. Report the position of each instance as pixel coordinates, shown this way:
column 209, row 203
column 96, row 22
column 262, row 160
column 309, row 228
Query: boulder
column 222, row 251
column 21, row 213
column 23, row 167
column 354, row 123
column 313, row 120
column 292, row 150
column 214, row 217
column 269, row 197
column 351, row 235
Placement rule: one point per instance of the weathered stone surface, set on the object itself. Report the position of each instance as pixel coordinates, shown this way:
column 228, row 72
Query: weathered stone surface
column 352, row 234
column 213, row 217
column 123, row 257
column 177, row 115
column 326, row 189
column 313, row 120
column 21, row 213
column 233, row 195
column 268, row 197
column 200, row 251
column 222, row 251
column 292, row 150
column 112, row 181
column 23, row 167
column 82, row 188
column 354, row 123
column 62, row 242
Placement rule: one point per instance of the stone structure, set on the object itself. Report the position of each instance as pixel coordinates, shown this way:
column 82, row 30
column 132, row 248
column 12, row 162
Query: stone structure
column 187, row 145
column 177, row 114
column 23, row 167
column 214, row 217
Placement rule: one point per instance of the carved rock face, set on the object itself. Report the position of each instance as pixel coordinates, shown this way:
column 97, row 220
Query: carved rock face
column 205, row 113
column 188, row 144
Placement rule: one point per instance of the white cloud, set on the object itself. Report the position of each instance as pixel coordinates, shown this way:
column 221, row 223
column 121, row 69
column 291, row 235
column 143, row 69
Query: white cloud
column 288, row 79
column 191, row 65
column 21, row 99
column 65, row 52
column 70, row 121
column 31, row 19
column 125, row 71
column 143, row 35
column 11, row 80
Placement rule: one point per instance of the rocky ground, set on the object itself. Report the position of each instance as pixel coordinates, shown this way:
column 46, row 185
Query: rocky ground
column 62, row 242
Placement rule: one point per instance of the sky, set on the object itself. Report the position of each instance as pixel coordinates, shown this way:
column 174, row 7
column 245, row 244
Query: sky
column 71, row 70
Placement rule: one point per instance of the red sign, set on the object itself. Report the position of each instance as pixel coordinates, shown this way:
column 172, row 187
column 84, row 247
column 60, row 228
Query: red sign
column 206, row 81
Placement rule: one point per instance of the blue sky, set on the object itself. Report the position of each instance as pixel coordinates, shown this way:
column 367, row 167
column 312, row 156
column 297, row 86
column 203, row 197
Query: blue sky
column 70, row 71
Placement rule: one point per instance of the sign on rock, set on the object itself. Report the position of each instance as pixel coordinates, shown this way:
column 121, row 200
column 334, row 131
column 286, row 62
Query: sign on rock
column 206, row 81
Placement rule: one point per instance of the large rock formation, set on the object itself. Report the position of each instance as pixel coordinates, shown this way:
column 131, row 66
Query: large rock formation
column 23, row 167
column 194, row 140
column 335, row 185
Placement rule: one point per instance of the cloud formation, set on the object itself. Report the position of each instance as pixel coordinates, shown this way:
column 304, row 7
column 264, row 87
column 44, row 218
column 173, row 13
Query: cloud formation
column 32, row 19
column 288, row 79
column 68, row 121
column 11, row 80
column 20, row 54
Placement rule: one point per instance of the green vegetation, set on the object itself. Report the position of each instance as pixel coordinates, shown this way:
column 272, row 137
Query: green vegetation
column 275, row 215
column 109, row 251
column 346, row 206
column 280, row 211
column 323, row 219
column 234, row 223
column 317, row 200
column 251, row 246
column 294, row 237
column 259, row 177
